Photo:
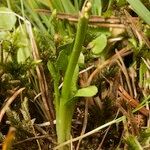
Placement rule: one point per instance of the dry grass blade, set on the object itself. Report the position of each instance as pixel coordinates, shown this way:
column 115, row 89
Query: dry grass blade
column 136, row 29
column 42, row 80
column 84, row 122
column 8, row 103
column 124, row 52
column 32, row 138
column 125, row 72
column 101, row 143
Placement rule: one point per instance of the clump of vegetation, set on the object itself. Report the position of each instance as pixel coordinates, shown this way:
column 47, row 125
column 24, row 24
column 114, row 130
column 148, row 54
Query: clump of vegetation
column 74, row 74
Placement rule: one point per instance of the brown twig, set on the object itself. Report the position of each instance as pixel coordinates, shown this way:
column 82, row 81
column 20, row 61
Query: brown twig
column 134, row 103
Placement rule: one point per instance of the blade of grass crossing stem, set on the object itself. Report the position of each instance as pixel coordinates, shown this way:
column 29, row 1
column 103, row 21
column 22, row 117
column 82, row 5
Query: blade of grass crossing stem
column 80, row 2
column 76, row 4
column 140, row 9
column 68, row 7
column 30, row 9
column 47, row 3
column 97, row 7
column 57, row 5
column 33, row 5
column 65, row 6
column 63, row 125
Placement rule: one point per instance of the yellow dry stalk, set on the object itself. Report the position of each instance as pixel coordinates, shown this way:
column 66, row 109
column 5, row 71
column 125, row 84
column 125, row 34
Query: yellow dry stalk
column 7, row 144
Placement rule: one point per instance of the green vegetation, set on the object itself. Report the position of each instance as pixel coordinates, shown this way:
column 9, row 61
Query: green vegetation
column 74, row 74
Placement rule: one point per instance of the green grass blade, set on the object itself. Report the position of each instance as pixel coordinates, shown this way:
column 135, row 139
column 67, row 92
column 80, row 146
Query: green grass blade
column 140, row 9
column 68, row 7
column 30, row 8
column 97, row 7
column 76, row 4
column 57, row 5
column 65, row 6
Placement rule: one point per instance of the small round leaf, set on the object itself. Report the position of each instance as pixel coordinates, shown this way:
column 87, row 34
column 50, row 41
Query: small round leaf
column 8, row 19
column 87, row 92
column 98, row 44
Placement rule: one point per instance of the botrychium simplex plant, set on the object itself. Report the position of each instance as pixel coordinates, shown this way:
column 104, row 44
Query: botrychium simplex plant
column 65, row 99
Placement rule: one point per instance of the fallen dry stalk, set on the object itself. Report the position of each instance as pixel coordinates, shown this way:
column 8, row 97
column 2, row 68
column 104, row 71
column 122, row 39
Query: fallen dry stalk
column 8, row 103
column 8, row 141
column 91, row 132
column 113, row 22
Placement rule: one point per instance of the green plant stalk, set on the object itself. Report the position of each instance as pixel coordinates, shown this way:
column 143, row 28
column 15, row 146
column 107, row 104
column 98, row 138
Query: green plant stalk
column 55, row 76
column 71, row 105
column 65, row 111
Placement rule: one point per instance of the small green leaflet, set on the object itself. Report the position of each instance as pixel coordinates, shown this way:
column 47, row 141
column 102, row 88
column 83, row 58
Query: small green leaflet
column 53, row 71
column 62, row 61
column 8, row 19
column 98, row 44
column 87, row 92
column 84, row 92
column 21, row 40
column 81, row 58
